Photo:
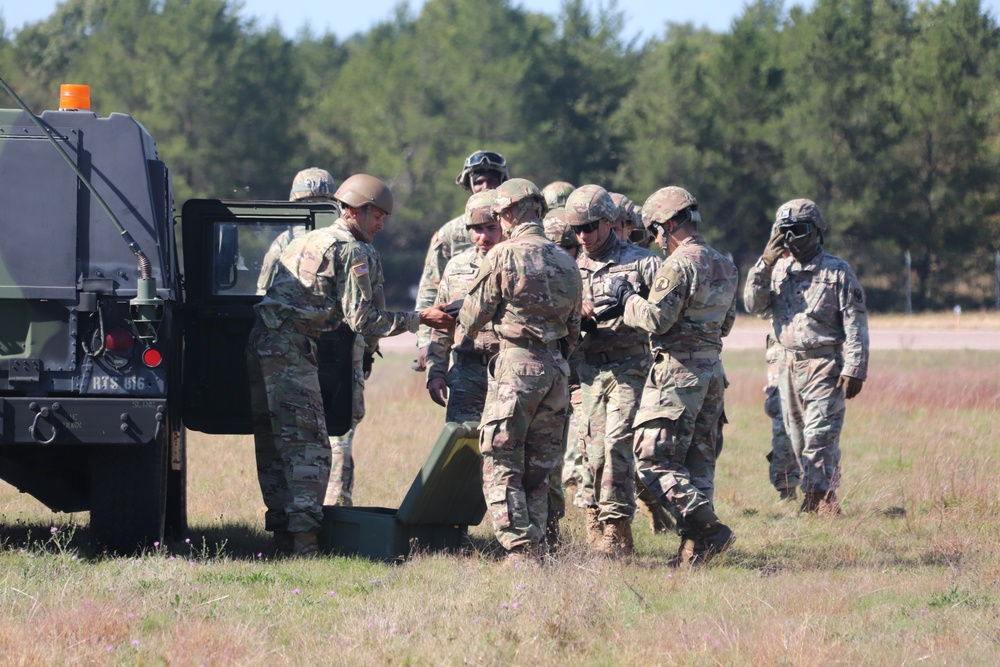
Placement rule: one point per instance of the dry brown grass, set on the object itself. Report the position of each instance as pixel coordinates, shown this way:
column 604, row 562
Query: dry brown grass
column 909, row 573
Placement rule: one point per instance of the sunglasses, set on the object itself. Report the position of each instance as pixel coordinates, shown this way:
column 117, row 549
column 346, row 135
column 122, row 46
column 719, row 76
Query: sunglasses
column 587, row 228
column 485, row 157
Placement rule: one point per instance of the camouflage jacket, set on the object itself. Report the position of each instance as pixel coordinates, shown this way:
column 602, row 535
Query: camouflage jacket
column 455, row 283
column 813, row 305
column 612, row 260
column 269, row 265
column 692, row 304
column 528, row 287
column 451, row 239
column 327, row 277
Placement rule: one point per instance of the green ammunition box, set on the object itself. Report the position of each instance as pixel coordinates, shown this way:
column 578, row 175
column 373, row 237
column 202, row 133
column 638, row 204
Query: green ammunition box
column 444, row 500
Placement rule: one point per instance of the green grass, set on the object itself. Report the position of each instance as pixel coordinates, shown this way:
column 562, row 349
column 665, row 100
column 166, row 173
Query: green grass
column 909, row 573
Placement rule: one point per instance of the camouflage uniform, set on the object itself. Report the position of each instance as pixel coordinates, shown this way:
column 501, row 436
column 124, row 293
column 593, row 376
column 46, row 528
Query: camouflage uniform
column 447, row 242
column 467, row 377
column 690, row 308
column 616, row 359
column 530, row 290
column 341, row 485
column 326, row 278
column 819, row 318
column 783, row 465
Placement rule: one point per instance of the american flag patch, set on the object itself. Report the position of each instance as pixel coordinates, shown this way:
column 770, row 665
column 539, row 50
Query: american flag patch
column 360, row 270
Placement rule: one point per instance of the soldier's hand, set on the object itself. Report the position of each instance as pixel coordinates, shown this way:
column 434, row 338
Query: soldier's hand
column 367, row 361
column 587, row 309
column 436, row 318
column 774, row 250
column 852, row 386
column 613, row 305
column 420, row 363
column 438, row 391
column 453, row 307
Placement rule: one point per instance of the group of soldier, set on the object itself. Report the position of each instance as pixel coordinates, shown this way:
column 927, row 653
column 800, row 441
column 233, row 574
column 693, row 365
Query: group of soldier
column 538, row 306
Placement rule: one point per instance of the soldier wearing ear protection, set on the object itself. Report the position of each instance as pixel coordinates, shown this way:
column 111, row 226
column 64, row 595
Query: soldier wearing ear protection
column 819, row 317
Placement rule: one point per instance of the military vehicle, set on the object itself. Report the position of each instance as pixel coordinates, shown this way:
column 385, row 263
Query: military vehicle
column 111, row 343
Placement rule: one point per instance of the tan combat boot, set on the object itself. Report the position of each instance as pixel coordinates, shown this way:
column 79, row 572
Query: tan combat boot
column 552, row 533
column 617, row 541
column 305, row 543
column 685, row 553
column 710, row 537
column 659, row 519
column 595, row 530
column 812, row 501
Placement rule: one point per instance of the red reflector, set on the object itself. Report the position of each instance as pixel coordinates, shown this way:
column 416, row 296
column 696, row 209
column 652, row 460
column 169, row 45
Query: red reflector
column 152, row 357
column 118, row 339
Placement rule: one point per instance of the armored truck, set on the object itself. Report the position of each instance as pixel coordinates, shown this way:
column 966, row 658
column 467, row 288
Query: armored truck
column 112, row 340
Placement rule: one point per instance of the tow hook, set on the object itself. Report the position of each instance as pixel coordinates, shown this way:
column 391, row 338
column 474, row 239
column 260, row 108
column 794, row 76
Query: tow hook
column 42, row 414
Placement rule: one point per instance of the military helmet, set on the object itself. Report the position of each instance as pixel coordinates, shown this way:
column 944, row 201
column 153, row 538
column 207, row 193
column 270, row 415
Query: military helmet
column 312, row 183
column 590, row 203
column 560, row 233
column 361, row 189
column 477, row 209
column 556, row 193
column 627, row 212
column 667, row 202
column 514, row 191
column 799, row 210
column 482, row 161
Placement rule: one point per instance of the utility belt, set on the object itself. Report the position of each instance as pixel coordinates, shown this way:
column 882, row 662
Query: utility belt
column 528, row 344
column 814, row 352
column 611, row 356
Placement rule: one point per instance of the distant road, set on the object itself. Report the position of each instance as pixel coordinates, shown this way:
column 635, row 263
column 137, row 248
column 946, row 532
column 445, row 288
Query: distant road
column 752, row 338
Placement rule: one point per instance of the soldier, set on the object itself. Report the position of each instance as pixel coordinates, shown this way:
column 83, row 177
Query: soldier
column 628, row 223
column 309, row 185
column 612, row 372
column 483, row 170
column 316, row 185
column 691, row 306
column 462, row 388
column 326, row 277
column 530, row 290
column 818, row 314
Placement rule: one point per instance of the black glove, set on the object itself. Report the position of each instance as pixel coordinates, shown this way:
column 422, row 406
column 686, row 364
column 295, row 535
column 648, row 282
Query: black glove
column 613, row 303
column 453, row 307
column 588, row 325
column 367, row 361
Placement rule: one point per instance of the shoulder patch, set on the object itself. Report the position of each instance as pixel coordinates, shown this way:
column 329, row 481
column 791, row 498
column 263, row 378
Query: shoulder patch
column 667, row 279
column 359, row 269
column 859, row 296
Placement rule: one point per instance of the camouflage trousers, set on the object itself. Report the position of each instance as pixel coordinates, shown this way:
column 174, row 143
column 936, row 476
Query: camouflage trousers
column 467, row 381
column 340, row 488
column 611, row 395
column 677, row 430
column 522, row 438
column 783, row 465
column 290, row 441
column 813, row 408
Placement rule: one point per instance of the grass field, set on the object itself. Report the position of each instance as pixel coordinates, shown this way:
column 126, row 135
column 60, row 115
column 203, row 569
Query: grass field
column 910, row 573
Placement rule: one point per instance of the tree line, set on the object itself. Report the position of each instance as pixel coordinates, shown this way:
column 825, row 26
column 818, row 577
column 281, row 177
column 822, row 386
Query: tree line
column 885, row 112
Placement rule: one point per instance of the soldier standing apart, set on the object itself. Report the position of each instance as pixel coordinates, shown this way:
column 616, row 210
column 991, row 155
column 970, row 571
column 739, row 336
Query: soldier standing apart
column 311, row 186
column 691, row 306
column 612, row 372
column 483, row 170
column 462, row 387
column 530, row 290
column 325, row 278
column 818, row 314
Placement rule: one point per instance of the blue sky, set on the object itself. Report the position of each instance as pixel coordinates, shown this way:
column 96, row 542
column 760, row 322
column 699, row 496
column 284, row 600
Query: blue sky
column 645, row 18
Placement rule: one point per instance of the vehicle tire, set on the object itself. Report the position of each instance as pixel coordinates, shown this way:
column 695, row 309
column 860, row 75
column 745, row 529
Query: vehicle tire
column 128, row 495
